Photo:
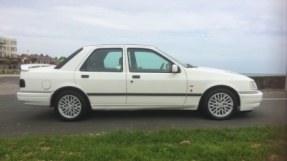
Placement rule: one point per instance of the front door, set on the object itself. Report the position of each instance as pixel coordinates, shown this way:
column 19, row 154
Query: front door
column 103, row 77
column 150, row 81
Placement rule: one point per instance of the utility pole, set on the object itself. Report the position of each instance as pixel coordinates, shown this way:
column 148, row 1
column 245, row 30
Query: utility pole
column 285, row 41
column 28, row 62
column 286, row 76
column 286, row 71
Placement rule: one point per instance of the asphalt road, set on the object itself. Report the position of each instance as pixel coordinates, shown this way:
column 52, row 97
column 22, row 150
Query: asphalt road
column 17, row 119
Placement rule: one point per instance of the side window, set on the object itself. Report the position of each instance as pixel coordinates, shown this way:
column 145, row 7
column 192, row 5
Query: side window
column 65, row 61
column 148, row 61
column 104, row 60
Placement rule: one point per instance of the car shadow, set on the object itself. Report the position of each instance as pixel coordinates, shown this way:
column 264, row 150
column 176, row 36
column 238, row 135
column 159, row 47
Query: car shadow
column 48, row 115
column 98, row 114
column 163, row 114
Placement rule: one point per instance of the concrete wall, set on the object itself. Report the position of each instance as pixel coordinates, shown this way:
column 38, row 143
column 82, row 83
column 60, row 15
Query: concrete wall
column 269, row 82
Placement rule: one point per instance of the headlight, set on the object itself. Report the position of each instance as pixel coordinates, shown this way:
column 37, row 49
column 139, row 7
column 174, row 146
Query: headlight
column 253, row 85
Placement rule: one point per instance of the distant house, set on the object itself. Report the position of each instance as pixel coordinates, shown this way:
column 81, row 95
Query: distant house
column 25, row 58
column 38, row 59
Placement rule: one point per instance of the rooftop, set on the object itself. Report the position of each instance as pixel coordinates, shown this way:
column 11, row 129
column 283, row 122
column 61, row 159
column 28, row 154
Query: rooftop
column 121, row 45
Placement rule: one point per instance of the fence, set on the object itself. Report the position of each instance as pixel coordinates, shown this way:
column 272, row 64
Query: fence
column 273, row 82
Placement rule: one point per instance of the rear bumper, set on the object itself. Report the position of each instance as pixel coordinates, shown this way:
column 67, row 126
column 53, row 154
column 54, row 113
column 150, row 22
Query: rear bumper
column 36, row 99
column 250, row 101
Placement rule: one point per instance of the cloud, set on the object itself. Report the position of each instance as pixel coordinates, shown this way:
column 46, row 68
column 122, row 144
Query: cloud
column 197, row 31
column 203, row 17
column 163, row 20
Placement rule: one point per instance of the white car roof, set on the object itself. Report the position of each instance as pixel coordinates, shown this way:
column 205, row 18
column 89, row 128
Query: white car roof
column 122, row 45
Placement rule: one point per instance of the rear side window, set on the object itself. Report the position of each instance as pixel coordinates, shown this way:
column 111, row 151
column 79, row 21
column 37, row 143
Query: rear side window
column 68, row 59
column 104, row 60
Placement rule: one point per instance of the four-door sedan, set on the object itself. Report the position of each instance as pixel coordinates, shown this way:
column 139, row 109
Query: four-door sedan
column 133, row 77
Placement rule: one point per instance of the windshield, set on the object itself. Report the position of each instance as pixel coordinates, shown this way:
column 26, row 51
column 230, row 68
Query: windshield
column 183, row 64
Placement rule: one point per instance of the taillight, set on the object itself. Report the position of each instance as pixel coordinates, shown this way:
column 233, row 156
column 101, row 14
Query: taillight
column 22, row 83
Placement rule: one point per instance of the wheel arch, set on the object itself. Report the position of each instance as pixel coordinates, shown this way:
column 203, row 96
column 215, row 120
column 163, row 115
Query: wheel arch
column 221, row 87
column 60, row 90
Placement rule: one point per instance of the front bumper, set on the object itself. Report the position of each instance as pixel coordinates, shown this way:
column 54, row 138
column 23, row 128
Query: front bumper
column 36, row 99
column 249, row 101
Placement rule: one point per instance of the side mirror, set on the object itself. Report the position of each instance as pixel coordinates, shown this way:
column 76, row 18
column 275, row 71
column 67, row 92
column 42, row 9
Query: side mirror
column 174, row 68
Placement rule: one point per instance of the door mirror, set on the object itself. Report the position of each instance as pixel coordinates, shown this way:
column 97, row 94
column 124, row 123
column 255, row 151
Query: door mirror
column 174, row 68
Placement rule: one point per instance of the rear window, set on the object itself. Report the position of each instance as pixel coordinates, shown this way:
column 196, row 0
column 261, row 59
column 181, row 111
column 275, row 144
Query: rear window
column 68, row 59
column 104, row 60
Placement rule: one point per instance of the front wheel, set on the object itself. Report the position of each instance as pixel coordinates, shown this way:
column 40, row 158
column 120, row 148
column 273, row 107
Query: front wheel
column 219, row 104
column 70, row 106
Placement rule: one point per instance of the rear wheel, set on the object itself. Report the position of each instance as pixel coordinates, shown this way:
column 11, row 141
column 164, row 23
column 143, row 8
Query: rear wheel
column 219, row 104
column 70, row 106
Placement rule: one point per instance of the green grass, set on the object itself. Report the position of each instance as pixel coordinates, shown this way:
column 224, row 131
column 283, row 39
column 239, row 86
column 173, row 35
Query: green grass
column 252, row 143
column 10, row 72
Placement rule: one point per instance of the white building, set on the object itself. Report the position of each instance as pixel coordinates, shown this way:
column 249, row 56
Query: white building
column 8, row 47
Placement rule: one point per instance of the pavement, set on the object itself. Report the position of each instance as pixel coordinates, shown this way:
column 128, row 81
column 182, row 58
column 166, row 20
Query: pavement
column 17, row 119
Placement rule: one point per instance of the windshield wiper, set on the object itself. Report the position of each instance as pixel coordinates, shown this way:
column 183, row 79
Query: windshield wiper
column 190, row 66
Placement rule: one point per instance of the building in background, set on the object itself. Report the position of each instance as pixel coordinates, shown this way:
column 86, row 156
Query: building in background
column 8, row 47
column 43, row 59
column 38, row 59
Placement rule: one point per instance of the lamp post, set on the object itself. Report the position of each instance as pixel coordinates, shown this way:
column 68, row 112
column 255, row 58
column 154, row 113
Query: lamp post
column 27, row 58
column 286, row 75
column 286, row 79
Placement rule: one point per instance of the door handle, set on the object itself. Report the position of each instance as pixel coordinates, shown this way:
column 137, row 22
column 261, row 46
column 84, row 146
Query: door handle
column 136, row 76
column 85, row 76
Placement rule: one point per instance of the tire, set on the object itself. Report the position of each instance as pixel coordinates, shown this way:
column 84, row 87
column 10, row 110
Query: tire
column 219, row 104
column 70, row 106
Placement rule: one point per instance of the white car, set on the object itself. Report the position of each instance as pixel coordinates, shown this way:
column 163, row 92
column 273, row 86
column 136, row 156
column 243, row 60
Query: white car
column 133, row 77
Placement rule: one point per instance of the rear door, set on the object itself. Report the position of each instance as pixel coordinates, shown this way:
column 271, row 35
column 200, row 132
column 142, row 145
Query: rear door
column 103, row 78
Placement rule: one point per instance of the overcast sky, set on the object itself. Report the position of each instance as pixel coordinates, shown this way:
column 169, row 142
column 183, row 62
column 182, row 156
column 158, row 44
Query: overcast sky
column 245, row 36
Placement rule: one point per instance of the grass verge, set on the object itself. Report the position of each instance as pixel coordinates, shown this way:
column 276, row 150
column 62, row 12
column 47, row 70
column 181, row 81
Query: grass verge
column 10, row 73
column 250, row 143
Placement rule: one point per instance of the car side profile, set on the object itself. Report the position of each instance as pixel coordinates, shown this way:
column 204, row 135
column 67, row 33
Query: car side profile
column 133, row 77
